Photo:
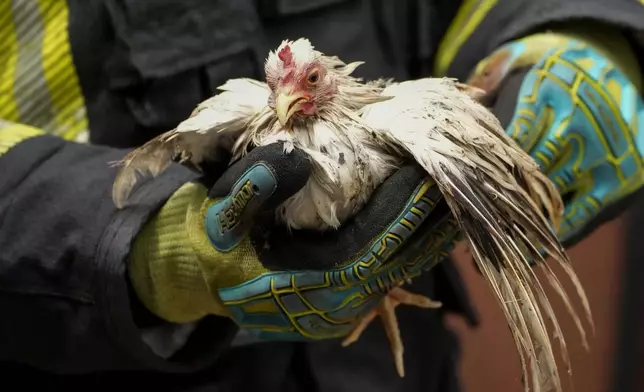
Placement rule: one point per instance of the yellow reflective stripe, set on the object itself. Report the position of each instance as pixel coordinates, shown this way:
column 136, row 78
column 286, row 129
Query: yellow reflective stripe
column 11, row 134
column 467, row 19
column 62, row 81
column 8, row 59
column 29, row 85
column 38, row 82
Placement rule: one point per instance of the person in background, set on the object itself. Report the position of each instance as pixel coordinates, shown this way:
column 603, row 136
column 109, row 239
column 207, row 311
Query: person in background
column 96, row 298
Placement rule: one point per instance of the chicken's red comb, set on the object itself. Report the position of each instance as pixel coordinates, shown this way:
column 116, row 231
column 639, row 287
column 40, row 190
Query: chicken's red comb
column 286, row 56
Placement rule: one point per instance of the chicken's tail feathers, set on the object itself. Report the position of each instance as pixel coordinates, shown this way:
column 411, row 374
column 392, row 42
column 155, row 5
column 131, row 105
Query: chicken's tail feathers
column 148, row 160
column 500, row 198
column 507, row 232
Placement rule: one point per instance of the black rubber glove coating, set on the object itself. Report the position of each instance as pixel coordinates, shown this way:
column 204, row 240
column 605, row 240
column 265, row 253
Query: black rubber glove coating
column 291, row 172
column 308, row 249
column 279, row 248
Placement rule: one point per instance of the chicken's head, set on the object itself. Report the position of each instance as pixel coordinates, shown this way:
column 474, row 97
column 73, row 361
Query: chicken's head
column 300, row 83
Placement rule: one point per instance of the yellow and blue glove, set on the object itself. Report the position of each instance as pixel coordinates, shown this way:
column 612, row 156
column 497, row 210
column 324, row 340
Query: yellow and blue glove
column 216, row 250
column 572, row 102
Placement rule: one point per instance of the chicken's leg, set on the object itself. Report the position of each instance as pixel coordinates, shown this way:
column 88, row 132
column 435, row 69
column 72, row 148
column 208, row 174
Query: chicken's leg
column 386, row 310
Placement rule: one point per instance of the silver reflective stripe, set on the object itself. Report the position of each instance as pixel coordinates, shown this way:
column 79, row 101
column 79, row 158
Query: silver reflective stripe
column 31, row 92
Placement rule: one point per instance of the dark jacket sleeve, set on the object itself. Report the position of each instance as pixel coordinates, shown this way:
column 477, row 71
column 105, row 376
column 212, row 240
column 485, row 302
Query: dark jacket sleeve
column 65, row 304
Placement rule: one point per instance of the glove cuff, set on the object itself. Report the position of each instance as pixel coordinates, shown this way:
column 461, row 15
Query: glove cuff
column 527, row 51
column 165, row 266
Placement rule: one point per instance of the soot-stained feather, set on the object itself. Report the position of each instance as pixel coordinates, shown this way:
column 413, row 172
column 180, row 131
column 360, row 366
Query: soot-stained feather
column 356, row 134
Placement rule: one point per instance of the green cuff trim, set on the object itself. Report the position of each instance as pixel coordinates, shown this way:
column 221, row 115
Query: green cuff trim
column 11, row 134
column 489, row 72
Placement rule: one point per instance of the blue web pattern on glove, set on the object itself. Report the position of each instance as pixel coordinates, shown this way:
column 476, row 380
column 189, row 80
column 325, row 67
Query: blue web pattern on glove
column 302, row 305
column 580, row 118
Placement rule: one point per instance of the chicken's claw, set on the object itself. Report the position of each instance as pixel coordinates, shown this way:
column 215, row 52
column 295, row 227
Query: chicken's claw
column 386, row 310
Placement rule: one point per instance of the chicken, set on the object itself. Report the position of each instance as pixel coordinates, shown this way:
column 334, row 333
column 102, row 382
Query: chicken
column 356, row 134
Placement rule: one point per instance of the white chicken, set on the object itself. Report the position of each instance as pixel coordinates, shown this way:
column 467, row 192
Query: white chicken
column 356, row 134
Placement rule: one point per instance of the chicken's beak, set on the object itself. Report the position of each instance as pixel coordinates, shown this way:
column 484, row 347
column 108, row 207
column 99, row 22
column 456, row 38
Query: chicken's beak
column 287, row 103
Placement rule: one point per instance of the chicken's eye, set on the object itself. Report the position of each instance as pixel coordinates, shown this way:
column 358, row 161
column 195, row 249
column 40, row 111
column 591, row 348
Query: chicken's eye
column 314, row 77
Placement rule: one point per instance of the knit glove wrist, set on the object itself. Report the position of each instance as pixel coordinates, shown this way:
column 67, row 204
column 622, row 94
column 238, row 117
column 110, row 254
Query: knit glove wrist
column 174, row 268
column 177, row 263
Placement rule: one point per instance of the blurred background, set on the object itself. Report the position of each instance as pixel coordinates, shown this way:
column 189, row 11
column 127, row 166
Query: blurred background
column 602, row 261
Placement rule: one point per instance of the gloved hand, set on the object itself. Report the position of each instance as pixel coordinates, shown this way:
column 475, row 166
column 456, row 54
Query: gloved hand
column 572, row 103
column 219, row 252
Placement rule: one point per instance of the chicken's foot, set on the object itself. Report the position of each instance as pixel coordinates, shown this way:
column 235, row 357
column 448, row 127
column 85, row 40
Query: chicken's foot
column 386, row 310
